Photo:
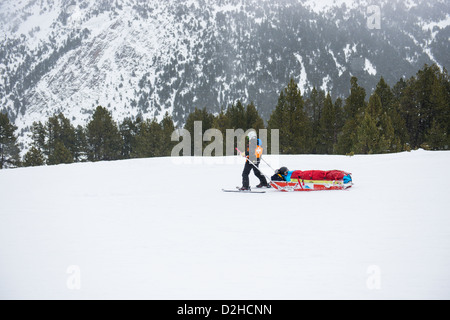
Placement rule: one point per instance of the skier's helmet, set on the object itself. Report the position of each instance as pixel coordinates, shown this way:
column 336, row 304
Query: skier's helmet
column 252, row 135
column 283, row 170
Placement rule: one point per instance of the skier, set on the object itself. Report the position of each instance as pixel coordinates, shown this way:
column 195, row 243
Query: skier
column 253, row 153
column 281, row 175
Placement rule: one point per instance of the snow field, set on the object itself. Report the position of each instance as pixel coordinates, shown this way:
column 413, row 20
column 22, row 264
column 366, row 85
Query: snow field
column 157, row 229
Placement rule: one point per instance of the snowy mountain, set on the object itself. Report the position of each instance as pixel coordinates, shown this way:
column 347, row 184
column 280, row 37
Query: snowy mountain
column 149, row 57
column 129, row 230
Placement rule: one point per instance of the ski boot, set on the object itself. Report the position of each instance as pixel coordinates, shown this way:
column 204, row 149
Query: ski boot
column 263, row 185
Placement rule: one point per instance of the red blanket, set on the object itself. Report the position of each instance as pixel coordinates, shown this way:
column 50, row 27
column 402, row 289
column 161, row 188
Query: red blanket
column 333, row 175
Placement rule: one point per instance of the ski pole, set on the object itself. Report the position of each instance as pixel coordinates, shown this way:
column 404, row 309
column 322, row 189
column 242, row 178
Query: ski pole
column 268, row 164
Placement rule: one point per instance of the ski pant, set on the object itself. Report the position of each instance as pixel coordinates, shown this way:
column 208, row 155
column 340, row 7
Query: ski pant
column 247, row 169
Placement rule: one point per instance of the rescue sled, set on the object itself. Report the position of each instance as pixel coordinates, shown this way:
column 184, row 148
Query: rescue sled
column 314, row 180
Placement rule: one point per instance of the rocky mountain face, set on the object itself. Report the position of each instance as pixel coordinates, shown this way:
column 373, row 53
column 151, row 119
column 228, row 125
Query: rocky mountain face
column 139, row 57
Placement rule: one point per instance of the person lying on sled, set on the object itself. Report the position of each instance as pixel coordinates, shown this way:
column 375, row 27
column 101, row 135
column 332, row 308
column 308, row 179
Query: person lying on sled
column 282, row 174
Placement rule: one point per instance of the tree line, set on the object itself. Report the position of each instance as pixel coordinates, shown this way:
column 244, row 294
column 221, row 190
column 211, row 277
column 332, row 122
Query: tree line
column 412, row 114
column 57, row 141
column 415, row 113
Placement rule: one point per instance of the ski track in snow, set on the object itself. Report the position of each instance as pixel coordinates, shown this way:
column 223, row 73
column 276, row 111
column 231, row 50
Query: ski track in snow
column 158, row 229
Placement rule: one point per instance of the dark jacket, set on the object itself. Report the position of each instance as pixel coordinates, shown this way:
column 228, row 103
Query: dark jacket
column 255, row 154
column 278, row 177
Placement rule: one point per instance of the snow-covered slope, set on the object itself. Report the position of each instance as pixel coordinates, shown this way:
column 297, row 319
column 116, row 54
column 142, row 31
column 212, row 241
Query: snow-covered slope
column 159, row 229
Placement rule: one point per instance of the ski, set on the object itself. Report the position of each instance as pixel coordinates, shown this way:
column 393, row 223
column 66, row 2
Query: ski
column 246, row 191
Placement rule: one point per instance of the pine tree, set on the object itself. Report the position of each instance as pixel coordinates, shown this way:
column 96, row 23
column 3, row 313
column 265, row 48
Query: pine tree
column 393, row 143
column 277, row 117
column 276, row 122
column 9, row 150
column 400, row 131
column 205, row 118
column 128, row 131
column 33, row 158
column 339, row 116
column 348, row 137
column 314, row 107
column 314, row 104
column 253, row 119
column 38, row 134
column 202, row 115
column 149, row 141
column 327, row 128
column 424, row 100
column 222, row 122
column 293, row 123
column 408, row 110
column 168, row 127
column 237, row 115
column 80, row 150
column 440, row 101
column 354, row 104
column 444, row 120
column 60, row 154
column 368, row 136
column 386, row 96
column 103, row 138
column 437, row 137
column 61, row 140
column 398, row 89
column 375, row 134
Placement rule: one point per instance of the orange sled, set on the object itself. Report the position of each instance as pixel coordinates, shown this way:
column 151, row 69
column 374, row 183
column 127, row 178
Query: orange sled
column 314, row 180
